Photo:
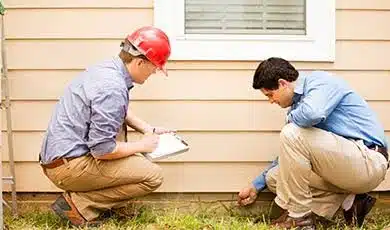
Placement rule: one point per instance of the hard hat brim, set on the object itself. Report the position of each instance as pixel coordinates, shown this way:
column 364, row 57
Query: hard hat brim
column 164, row 70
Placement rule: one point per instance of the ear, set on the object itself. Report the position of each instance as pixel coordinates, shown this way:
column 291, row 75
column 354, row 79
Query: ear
column 283, row 83
column 138, row 61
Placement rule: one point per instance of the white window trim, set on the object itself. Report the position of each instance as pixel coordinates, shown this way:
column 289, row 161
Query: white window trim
column 317, row 45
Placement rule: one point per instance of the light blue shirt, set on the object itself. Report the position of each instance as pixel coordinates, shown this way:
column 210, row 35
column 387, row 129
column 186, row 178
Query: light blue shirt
column 327, row 102
column 89, row 114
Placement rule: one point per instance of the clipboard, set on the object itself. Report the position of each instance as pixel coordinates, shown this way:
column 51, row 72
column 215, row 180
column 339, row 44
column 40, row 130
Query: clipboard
column 169, row 144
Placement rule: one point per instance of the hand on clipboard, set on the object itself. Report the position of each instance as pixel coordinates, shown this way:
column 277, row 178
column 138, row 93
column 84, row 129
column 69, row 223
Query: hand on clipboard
column 169, row 144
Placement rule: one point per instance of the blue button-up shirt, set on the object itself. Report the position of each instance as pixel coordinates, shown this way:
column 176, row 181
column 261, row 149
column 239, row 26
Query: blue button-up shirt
column 90, row 113
column 327, row 102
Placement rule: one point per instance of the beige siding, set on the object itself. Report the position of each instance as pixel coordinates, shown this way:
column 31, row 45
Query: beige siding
column 179, row 177
column 196, row 98
column 74, row 4
column 76, row 54
column 372, row 85
column 224, row 146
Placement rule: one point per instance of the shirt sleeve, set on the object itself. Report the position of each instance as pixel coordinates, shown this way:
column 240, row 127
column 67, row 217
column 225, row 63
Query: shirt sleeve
column 108, row 111
column 320, row 100
column 259, row 182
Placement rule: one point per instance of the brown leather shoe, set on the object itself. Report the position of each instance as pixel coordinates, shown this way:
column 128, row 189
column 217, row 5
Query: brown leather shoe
column 361, row 206
column 306, row 222
column 124, row 213
column 65, row 208
column 281, row 218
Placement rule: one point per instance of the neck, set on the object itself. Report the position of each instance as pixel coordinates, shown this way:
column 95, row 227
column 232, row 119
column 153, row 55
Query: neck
column 129, row 67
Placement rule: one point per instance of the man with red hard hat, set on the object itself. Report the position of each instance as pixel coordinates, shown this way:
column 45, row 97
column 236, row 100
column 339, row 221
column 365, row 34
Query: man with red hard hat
column 85, row 150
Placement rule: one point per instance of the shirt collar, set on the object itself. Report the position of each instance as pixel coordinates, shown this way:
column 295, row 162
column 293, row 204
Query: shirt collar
column 125, row 73
column 299, row 86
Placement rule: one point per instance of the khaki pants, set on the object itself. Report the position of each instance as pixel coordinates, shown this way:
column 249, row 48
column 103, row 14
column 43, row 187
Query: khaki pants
column 326, row 198
column 98, row 185
column 318, row 169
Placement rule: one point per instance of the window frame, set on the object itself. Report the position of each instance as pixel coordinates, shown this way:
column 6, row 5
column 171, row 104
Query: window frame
column 317, row 45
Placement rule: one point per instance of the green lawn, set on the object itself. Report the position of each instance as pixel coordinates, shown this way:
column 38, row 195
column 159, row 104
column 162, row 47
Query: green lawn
column 203, row 216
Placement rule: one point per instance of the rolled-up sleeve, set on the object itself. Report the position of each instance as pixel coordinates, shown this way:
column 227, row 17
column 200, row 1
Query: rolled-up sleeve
column 108, row 110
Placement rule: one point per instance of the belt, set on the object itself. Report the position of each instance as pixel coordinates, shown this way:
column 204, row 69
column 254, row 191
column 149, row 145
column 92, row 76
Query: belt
column 57, row 162
column 381, row 150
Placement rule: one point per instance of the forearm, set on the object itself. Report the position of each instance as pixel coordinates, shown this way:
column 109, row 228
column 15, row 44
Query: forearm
column 260, row 181
column 137, row 123
column 122, row 149
column 305, row 119
column 317, row 104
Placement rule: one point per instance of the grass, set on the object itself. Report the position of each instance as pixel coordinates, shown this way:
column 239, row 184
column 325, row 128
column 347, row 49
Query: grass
column 193, row 216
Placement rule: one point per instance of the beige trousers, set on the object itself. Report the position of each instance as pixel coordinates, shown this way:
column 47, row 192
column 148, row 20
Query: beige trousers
column 326, row 198
column 318, row 169
column 98, row 185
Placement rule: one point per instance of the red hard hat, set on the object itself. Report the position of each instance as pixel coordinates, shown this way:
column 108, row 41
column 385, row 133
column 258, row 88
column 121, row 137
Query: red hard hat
column 153, row 43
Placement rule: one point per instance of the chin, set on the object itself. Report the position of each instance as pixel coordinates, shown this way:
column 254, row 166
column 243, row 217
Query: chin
column 284, row 106
column 139, row 82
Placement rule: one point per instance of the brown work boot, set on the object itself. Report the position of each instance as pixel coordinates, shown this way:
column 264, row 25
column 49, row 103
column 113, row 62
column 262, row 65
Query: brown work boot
column 123, row 213
column 306, row 222
column 281, row 218
column 361, row 206
column 65, row 208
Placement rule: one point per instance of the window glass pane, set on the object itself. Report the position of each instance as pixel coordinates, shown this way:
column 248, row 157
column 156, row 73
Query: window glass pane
column 279, row 17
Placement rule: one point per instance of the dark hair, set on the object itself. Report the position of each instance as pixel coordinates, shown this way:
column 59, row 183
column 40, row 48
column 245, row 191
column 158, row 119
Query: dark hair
column 270, row 71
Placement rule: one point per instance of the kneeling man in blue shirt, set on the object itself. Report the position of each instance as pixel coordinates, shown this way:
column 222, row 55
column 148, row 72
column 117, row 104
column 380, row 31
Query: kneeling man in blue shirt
column 332, row 147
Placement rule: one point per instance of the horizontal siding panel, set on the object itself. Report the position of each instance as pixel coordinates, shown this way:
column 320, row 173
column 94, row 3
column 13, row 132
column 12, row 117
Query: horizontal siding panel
column 96, row 23
column 205, row 146
column 363, row 5
column 180, row 115
column 184, row 115
column 369, row 84
column 340, row 4
column 69, row 26
column 78, row 4
column 186, row 85
column 80, row 53
column 178, row 177
column 373, row 27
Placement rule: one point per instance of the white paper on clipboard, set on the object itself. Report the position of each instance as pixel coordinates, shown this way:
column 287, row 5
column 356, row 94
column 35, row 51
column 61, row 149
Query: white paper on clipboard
column 169, row 144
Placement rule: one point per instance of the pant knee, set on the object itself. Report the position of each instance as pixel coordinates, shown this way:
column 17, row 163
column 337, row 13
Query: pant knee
column 289, row 132
column 155, row 179
column 270, row 179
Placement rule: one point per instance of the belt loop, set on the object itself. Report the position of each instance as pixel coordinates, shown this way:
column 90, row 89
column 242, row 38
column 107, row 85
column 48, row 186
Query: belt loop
column 66, row 162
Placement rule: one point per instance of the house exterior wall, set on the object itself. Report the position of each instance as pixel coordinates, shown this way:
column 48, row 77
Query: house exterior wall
column 232, row 129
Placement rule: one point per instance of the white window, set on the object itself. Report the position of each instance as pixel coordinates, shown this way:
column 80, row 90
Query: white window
column 297, row 30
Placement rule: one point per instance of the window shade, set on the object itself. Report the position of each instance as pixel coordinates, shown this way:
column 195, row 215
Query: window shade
column 245, row 17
